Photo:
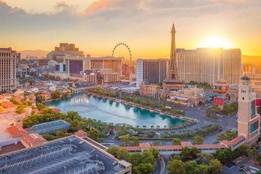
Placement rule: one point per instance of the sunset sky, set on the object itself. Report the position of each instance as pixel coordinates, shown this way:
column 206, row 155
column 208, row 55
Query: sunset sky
column 95, row 26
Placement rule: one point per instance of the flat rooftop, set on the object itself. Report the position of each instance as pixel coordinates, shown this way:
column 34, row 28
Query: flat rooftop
column 11, row 148
column 49, row 127
column 66, row 155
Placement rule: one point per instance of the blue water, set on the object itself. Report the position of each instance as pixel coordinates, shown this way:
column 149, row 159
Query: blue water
column 109, row 111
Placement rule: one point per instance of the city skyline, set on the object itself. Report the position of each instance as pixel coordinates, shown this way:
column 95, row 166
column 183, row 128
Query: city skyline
column 130, row 86
column 96, row 26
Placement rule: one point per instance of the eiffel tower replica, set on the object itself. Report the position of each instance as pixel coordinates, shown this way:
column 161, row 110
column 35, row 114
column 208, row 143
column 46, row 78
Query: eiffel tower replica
column 172, row 82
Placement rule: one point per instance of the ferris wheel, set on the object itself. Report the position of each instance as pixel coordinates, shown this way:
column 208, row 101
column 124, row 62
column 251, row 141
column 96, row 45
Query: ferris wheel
column 124, row 45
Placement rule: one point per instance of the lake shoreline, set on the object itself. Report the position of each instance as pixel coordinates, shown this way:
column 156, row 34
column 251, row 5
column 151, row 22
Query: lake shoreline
column 187, row 121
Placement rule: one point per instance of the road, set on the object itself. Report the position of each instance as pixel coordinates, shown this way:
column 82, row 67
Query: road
column 161, row 165
column 226, row 122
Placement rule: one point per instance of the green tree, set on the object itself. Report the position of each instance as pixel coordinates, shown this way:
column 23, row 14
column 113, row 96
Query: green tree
column 20, row 109
column 241, row 150
column 197, row 139
column 215, row 167
column 176, row 167
column 40, row 106
column 93, row 134
column 252, row 153
column 176, row 141
column 125, row 139
column 122, row 153
column 224, row 155
column 155, row 152
column 189, row 153
column 14, row 101
column 142, row 163
column 39, row 98
column 258, row 160
column 26, row 94
column 56, row 94
column 191, row 167
column 228, row 135
column 134, row 141
column 113, row 150
column 143, row 168
column 148, row 157
column 230, row 108
column 203, row 168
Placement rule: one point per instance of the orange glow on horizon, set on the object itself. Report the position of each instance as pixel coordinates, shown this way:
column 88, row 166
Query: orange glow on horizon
column 216, row 42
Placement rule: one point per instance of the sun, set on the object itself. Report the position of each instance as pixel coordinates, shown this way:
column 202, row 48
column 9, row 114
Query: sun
column 215, row 42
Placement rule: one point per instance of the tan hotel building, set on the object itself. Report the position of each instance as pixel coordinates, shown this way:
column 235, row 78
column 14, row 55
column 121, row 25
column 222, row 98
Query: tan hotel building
column 208, row 65
column 8, row 61
column 106, row 64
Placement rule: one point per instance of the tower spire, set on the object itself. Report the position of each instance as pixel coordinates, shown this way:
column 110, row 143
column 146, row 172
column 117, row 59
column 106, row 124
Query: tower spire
column 173, row 30
column 173, row 68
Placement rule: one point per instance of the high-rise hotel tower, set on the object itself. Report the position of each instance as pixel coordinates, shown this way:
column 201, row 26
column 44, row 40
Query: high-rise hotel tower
column 8, row 61
column 209, row 65
column 151, row 71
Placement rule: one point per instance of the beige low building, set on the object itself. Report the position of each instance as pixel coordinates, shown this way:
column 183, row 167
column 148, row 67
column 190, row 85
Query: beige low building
column 172, row 85
column 106, row 64
column 110, row 77
column 91, row 77
column 151, row 90
column 233, row 93
column 187, row 96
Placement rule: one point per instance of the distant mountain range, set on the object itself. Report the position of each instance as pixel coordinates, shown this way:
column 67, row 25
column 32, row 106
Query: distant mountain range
column 42, row 54
column 33, row 53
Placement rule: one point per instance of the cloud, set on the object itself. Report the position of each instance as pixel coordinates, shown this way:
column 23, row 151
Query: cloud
column 119, row 8
column 120, row 13
column 136, row 19
column 97, row 6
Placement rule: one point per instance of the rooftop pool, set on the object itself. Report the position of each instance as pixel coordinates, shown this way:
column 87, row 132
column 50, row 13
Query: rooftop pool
column 110, row 111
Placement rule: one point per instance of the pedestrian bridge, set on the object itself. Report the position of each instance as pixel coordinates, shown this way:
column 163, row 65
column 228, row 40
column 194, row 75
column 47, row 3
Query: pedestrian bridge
column 176, row 149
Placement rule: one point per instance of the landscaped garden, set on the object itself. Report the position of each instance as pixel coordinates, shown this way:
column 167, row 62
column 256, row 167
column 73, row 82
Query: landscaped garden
column 228, row 110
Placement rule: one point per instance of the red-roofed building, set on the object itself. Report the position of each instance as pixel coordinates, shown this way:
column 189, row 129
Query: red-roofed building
column 219, row 101
column 16, row 131
column 221, row 87
column 27, row 139
column 32, row 140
